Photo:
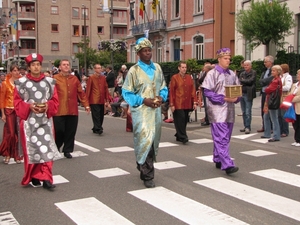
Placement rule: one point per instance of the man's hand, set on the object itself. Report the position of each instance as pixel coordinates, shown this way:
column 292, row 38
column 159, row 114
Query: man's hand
column 153, row 102
column 230, row 99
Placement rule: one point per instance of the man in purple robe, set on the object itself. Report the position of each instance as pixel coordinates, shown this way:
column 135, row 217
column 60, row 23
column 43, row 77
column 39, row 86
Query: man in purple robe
column 220, row 109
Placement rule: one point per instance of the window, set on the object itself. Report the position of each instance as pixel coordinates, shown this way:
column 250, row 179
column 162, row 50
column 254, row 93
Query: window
column 86, row 13
column 159, row 51
column 28, row 26
column 120, row 30
column 75, row 30
column 100, row 13
column 298, row 34
column 75, row 13
column 54, row 27
column 199, row 6
column 100, row 30
column 199, row 47
column 54, row 1
column 85, row 31
column 120, row 13
column 75, row 48
column 132, row 53
column 54, row 10
column 54, row 46
column 28, row 44
column 176, row 8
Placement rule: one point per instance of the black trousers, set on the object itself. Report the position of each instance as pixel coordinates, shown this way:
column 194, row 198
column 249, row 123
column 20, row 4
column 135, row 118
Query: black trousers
column 65, row 130
column 296, row 126
column 97, row 116
column 181, row 118
column 147, row 169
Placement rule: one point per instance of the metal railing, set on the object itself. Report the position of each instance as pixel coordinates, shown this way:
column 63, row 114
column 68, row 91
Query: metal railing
column 151, row 26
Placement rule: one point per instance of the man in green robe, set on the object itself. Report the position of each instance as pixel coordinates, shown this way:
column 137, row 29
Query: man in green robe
column 144, row 90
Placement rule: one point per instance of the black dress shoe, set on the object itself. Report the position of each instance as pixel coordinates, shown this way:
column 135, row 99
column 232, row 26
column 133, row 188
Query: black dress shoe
column 231, row 170
column 184, row 141
column 48, row 185
column 149, row 183
column 35, row 182
column 68, row 155
column 205, row 124
column 243, row 130
column 264, row 137
column 218, row 165
column 273, row 140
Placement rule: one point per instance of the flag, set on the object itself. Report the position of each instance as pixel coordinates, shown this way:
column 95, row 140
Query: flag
column 142, row 8
column 154, row 6
column 131, row 14
column 146, row 32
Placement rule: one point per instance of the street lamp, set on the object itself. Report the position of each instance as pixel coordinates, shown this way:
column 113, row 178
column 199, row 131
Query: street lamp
column 84, row 38
column 111, row 30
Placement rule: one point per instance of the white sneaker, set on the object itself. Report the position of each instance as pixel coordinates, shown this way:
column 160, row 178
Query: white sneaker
column 294, row 144
column 297, row 145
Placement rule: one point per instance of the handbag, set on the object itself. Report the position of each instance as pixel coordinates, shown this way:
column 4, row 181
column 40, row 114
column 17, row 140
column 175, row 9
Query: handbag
column 290, row 115
column 274, row 99
column 287, row 102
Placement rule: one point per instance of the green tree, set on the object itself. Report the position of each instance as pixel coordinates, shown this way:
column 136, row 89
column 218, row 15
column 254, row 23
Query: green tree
column 264, row 22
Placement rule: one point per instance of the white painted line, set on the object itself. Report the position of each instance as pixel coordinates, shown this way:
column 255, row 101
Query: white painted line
column 167, row 165
column 262, row 140
column 280, row 176
column 58, row 179
column 75, row 154
column 7, row 218
column 90, row 148
column 244, row 136
column 109, row 172
column 167, row 144
column 258, row 153
column 90, row 211
column 120, row 149
column 276, row 203
column 208, row 158
column 201, row 141
column 183, row 208
column 298, row 165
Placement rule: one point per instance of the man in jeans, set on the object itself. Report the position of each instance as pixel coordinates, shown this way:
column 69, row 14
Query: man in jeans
column 247, row 79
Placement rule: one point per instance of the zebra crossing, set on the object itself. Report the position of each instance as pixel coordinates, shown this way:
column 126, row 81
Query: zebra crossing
column 189, row 211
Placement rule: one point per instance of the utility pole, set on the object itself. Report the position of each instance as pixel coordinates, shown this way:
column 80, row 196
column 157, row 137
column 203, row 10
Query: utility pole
column 84, row 38
column 111, row 30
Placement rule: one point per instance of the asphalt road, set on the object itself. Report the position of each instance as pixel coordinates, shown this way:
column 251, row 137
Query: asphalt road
column 102, row 185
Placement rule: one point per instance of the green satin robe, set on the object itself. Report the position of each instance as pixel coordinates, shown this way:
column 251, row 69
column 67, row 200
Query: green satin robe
column 146, row 121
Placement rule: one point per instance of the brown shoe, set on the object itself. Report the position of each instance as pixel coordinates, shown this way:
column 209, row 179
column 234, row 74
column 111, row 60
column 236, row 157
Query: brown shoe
column 261, row 130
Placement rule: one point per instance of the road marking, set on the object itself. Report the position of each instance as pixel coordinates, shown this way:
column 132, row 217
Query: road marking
column 113, row 172
column 258, row 153
column 167, row 165
column 91, row 211
column 167, row 144
column 75, row 154
column 120, row 149
column 262, row 140
column 280, row 176
column 201, row 141
column 255, row 196
column 208, row 158
column 58, row 179
column 90, row 148
column 244, row 136
column 183, row 208
column 7, row 218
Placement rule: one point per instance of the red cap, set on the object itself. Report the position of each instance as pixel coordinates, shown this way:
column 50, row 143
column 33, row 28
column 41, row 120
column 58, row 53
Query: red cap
column 34, row 57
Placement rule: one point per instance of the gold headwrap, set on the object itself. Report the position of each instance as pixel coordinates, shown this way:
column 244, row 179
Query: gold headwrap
column 142, row 43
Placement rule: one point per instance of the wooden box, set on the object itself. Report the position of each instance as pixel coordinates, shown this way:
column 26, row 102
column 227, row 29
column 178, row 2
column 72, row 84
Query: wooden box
column 233, row 91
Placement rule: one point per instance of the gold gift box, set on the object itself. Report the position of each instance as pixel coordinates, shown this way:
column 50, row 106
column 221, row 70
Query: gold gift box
column 233, row 91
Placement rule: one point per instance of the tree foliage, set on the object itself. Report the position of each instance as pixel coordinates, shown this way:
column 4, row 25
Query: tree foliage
column 264, row 22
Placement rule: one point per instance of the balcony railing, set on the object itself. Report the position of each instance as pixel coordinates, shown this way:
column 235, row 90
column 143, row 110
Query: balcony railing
column 120, row 19
column 156, row 25
column 27, row 34
column 13, row 53
column 26, row 15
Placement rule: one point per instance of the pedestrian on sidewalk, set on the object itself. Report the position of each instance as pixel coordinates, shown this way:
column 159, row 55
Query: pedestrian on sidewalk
column 221, row 109
column 182, row 101
column 247, row 79
column 296, row 100
column 144, row 90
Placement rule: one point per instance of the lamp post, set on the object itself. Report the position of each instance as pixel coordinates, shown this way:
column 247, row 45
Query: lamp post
column 111, row 30
column 84, row 38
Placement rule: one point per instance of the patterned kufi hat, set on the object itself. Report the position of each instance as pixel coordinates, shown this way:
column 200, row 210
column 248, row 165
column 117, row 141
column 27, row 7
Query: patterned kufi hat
column 142, row 43
column 34, row 57
column 223, row 52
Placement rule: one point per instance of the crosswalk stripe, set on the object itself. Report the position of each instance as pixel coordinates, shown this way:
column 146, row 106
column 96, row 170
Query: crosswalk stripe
column 167, row 165
column 109, row 172
column 89, row 211
column 280, row 176
column 90, row 148
column 244, row 136
column 258, row 153
column 255, row 196
column 183, row 208
column 7, row 218
column 119, row 149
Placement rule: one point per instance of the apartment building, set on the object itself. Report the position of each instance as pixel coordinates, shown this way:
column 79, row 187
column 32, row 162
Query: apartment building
column 54, row 28
column 292, row 41
column 182, row 29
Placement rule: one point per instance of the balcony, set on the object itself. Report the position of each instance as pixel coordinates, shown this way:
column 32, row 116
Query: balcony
column 28, row 34
column 154, row 26
column 14, row 1
column 120, row 20
column 26, row 16
column 13, row 53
